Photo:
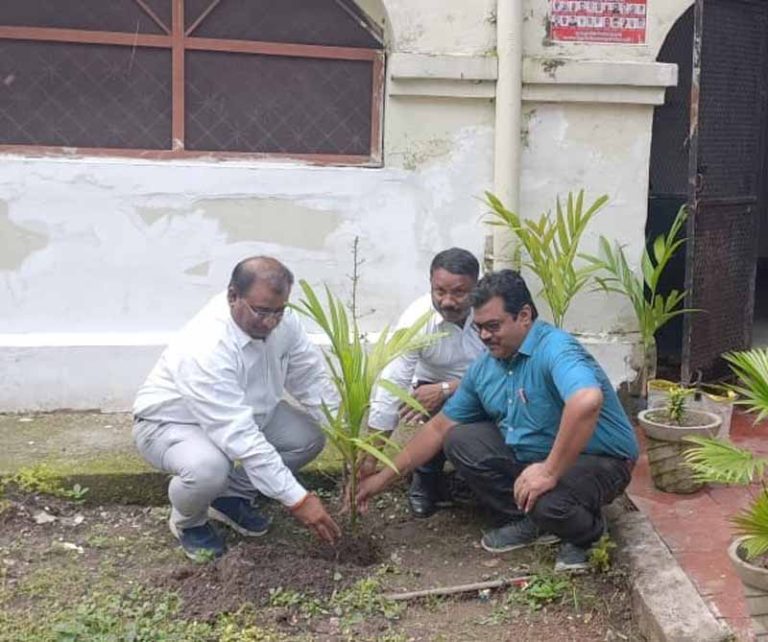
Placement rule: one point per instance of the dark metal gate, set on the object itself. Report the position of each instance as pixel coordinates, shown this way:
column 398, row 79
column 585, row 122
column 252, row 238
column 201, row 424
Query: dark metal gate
column 726, row 154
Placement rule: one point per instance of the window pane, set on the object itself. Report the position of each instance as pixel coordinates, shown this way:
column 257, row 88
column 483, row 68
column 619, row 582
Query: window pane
column 276, row 104
column 97, row 15
column 84, row 95
column 309, row 22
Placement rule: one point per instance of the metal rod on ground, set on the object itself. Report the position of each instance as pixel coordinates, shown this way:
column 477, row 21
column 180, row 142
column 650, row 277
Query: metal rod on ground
column 459, row 588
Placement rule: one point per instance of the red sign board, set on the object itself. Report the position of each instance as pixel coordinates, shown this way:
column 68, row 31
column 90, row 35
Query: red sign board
column 593, row 21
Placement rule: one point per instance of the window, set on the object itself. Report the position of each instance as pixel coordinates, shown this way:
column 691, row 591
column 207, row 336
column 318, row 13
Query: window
column 179, row 78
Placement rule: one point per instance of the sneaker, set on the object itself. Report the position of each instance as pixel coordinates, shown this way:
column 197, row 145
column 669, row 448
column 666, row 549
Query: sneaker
column 572, row 559
column 199, row 543
column 517, row 534
column 240, row 515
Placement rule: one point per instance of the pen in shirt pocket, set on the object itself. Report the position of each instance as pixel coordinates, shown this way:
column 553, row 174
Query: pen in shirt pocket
column 521, row 394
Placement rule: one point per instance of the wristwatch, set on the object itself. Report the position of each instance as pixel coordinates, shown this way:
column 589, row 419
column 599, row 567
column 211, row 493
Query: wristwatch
column 446, row 388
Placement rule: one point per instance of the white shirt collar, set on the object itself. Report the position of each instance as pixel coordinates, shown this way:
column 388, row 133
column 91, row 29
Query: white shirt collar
column 241, row 338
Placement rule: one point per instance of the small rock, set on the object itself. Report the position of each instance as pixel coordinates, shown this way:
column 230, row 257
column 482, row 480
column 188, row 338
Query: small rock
column 69, row 546
column 73, row 521
column 25, row 420
column 43, row 517
column 337, row 577
column 491, row 563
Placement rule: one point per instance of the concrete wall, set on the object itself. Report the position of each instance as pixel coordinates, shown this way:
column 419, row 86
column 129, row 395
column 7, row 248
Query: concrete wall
column 102, row 259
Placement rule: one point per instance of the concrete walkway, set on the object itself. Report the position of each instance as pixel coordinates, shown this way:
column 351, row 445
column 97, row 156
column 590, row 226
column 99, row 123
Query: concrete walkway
column 697, row 530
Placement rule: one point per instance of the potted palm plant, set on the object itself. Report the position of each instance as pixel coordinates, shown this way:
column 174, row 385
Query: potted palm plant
column 718, row 461
column 667, row 429
column 355, row 368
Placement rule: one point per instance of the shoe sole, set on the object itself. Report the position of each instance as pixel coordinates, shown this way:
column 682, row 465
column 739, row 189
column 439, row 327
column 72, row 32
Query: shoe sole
column 221, row 517
column 195, row 557
column 544, row 540
column 573, row 569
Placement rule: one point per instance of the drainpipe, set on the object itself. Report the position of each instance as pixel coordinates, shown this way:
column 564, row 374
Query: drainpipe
column 507, row 144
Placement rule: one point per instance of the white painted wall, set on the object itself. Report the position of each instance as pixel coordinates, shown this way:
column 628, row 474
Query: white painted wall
column 101, row 259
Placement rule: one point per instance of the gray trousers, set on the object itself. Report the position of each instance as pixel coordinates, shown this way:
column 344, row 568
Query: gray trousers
column 202, row 472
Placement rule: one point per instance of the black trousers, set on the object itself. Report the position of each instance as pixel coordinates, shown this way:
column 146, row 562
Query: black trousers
column 435, row 465
column 571, row 510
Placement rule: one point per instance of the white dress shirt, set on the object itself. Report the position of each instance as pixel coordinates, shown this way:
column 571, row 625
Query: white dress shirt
column 214, row 375
column 445, row 359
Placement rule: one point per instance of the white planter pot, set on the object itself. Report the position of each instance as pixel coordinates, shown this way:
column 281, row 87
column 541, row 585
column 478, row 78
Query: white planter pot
column 755, row 582
column 666, row 447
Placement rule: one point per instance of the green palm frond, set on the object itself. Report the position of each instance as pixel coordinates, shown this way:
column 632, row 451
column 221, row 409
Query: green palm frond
column 752, row 523
column 551, row 245
column 355, row 369
column 751, row 367
column 714, row 460
column 652, row 309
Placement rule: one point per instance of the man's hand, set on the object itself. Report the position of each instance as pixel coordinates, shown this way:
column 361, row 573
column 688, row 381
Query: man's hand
column 369, row 487
column 311, row 512
column 429, row 395
column 367, row 467
column 532, row 483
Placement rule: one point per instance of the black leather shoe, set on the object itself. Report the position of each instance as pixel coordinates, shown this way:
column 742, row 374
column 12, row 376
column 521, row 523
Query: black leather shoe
column 428, row 492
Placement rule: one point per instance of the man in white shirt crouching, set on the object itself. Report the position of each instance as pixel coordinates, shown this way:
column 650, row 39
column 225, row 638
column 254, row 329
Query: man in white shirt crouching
column 434, row 371
column 212, row 414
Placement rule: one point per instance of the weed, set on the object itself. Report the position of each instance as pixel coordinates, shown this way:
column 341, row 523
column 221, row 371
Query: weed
column 42, row 479
column 600, row 557
column 204, row 556
column 364, row 598
column 284, row 597
column 545, row 589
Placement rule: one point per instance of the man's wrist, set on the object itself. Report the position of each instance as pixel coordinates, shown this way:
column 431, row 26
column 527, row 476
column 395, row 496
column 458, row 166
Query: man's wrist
column 301, row 502
column 445, row 387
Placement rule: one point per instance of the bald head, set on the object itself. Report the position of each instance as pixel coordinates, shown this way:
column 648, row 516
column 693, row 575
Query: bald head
column 260, row 269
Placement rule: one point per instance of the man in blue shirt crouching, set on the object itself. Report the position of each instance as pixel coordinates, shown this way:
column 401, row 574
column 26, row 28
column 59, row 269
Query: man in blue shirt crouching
column 535, row 429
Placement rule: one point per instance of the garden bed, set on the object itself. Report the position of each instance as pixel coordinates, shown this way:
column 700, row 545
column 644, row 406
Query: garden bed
column 72, row 572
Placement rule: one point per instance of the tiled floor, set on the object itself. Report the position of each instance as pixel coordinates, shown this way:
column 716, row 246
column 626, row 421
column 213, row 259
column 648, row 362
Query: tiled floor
column 697, row 531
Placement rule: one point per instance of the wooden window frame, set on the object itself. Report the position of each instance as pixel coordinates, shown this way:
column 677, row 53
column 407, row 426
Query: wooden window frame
column 178, row 40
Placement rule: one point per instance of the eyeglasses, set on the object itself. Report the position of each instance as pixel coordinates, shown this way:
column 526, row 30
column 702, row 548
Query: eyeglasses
column 457, row 295
column 492, row 327
column 266, row 313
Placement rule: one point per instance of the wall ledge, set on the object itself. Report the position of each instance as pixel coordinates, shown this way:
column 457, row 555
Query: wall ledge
column 544, row 79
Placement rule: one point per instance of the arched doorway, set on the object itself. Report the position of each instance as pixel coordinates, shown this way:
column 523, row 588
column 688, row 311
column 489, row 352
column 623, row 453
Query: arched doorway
column 715, row 166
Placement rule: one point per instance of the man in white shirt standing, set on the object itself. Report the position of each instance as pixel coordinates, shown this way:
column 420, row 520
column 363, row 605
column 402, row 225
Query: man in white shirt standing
column 432, row 372
column 212, row 414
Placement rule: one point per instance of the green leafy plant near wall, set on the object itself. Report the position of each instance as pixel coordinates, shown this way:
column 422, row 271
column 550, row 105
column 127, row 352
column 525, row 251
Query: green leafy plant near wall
column 714, row 460
column 355, row 368
column 551, row 247
column 652, row 308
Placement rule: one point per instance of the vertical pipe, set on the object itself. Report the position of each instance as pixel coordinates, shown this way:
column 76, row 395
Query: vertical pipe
column 509, row 103
column 693, row 187
column 177, row 59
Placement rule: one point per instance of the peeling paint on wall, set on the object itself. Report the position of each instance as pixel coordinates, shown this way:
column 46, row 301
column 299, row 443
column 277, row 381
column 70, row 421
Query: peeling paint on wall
column 18, row 242
column 201, row 269
column 151, row 215
column 270, row 220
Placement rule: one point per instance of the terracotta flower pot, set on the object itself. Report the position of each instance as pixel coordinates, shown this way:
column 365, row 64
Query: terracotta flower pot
column 666, row 447
column 755, row 582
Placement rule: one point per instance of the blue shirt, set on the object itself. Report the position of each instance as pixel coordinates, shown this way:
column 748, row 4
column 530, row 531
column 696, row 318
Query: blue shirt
column 525, row 396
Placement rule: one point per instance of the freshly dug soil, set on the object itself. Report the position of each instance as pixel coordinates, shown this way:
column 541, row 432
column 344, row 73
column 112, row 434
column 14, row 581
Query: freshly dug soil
column 247, row 572
column 357, row 550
